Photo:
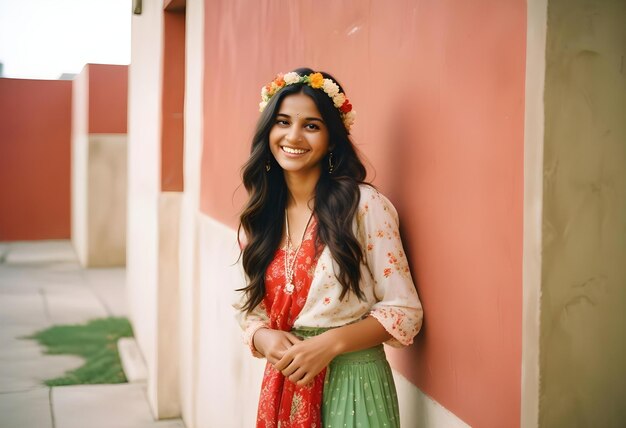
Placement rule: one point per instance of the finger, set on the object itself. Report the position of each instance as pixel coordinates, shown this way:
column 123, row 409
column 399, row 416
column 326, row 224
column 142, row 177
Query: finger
column 307, row 380
column 290, row 369
column 297, row 375
column 283, row 362
column 292, row 338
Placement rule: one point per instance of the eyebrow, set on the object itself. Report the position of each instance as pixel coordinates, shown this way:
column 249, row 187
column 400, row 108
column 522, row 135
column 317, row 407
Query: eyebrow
column 306, row 118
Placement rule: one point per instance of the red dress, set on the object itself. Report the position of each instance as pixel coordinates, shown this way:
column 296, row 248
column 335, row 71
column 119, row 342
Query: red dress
column 283, row 404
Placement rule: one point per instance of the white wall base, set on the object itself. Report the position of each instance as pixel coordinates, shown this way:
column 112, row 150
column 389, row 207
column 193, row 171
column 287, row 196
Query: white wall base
column 418, row 410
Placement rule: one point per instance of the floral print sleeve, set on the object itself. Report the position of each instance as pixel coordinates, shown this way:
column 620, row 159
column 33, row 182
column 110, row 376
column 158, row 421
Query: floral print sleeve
column 251, row 323
column 398, row 307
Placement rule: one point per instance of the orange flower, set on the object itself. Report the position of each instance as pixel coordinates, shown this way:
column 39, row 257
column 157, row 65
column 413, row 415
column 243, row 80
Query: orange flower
column 279, row 81
column 387, row 272
column 316, row 80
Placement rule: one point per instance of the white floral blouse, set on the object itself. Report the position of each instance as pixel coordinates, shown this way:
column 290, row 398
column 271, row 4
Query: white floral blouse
column 389, row 292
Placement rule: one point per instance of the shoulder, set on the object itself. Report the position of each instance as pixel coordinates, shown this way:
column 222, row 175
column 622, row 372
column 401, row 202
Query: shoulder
column 374, row 204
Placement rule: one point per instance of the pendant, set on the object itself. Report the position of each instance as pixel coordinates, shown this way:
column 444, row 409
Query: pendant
column 289, row 288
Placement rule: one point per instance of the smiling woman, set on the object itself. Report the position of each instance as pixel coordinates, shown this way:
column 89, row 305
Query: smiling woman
column 299, row 138
column 327, row 278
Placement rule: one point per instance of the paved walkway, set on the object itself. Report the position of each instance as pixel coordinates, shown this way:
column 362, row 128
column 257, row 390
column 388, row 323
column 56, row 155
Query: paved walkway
column 41, row 284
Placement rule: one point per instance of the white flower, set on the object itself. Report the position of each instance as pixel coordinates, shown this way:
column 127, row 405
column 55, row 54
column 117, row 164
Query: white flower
column 291, row 78
column 264, row 93
column 339, row 99
column 349, row 118
column 262, row 105
column 330, row 88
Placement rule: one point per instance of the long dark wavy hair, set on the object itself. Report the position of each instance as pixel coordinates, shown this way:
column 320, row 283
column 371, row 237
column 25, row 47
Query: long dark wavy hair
column 336, row 197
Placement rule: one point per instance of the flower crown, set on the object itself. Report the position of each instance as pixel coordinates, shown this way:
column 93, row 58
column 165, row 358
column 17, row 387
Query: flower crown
column 314, row 80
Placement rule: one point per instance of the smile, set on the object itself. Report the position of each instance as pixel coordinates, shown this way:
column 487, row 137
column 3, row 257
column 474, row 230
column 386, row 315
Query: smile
column 293, row 151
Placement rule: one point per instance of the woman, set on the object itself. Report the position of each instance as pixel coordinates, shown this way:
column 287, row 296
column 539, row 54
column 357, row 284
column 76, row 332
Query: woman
column 327, row 278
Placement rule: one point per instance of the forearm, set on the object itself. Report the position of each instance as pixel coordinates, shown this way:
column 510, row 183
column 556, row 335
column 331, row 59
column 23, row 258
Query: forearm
column 354, row 337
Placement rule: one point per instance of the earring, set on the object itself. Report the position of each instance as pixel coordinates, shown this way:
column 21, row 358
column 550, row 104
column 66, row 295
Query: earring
column 331, row 163
column 268, row 165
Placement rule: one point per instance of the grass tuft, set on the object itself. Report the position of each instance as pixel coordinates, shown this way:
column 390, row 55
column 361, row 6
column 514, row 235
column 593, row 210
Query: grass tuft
column 95, row 341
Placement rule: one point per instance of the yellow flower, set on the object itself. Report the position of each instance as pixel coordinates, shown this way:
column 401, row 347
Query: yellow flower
column 316, row 80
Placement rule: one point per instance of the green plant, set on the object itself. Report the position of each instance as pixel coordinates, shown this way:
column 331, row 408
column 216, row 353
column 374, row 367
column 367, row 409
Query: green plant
column 95, row 341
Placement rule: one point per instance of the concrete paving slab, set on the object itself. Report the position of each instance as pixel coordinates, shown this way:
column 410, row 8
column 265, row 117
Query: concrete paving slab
column 14, row 349
column 26, row 409
column 74, row 308
column 105, row 406
column 17, row 278
column 31, row 371
column 23, row 309
column 42, row 284
column 11, row 335
column 40, row 252
column 110, row 286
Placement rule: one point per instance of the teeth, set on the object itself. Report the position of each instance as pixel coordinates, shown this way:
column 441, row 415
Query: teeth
column 294, row 151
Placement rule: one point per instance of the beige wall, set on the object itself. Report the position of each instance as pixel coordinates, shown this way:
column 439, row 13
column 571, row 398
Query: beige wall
column 228, row 377
column 166, row 385
column 143, row 185
column 106, row 200
column 583, row 304
column 189, row 263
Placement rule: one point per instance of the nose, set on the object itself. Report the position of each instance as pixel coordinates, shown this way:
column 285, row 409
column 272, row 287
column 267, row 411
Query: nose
column 294, row 134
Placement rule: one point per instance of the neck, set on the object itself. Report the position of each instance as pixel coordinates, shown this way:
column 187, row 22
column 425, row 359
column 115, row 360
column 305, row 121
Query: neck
column 301, row 187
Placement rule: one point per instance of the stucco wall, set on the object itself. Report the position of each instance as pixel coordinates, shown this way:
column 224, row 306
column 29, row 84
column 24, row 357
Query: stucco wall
column 583, row 306
column 35, row 117
column 144, row 124
column 190, row 263
column 439, row 91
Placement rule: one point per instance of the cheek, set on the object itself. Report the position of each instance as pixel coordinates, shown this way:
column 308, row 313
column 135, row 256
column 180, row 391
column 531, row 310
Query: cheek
column 323, row 142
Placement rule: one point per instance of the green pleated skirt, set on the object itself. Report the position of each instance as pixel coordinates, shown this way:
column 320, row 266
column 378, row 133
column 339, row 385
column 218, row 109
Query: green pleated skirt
column 359, row 391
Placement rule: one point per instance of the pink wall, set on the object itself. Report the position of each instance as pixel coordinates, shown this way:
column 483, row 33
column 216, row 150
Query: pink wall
column 439, row 91
column 35, row 131
column 108, row 98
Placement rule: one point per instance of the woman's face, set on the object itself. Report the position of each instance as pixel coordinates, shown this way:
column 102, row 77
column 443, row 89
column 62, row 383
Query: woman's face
column 299, row 137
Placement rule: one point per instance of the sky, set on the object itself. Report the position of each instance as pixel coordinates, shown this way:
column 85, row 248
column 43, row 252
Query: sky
column 42, row 39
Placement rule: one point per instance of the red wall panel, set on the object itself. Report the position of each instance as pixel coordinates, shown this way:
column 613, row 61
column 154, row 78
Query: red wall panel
column 108, row 98
column 35, row 132
column 173, row 104
column 439, row 92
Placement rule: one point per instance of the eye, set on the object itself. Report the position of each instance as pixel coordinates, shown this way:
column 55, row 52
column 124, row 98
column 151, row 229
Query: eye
column 282, row 122
column 312, row 126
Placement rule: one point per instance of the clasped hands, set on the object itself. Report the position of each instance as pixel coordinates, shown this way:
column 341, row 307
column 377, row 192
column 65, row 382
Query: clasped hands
column 298, row 360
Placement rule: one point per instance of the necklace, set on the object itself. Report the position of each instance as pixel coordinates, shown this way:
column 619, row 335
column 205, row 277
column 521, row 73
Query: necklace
column 289, row 264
